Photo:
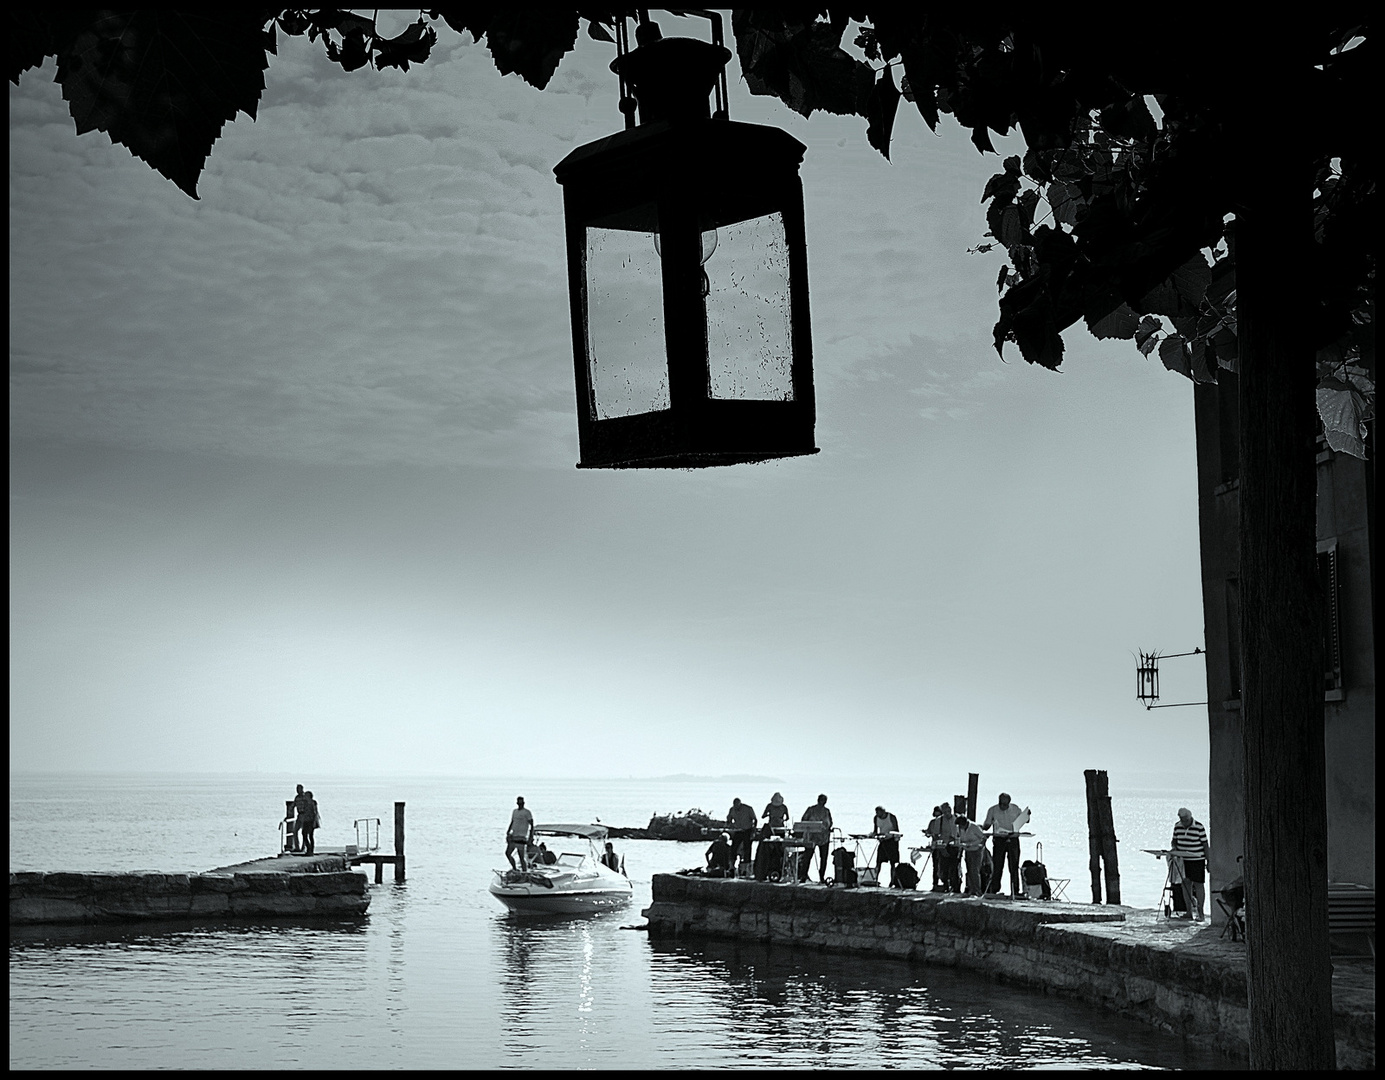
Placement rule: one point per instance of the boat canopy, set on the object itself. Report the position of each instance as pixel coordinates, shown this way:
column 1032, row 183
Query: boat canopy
column 587, row 832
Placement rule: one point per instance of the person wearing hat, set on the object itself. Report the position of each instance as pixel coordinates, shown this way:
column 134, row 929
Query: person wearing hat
column 886, row 827
column 1190, row 845
column 777, row 813
column 932, row 833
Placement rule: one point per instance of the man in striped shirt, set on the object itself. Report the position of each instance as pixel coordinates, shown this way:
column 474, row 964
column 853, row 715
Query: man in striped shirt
column 1190, row 844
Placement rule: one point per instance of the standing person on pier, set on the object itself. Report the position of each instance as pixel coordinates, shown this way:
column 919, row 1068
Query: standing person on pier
column 518, row 834
column 886, row 828
column 740, row 819
column 313, row 822
column 973, row 842
column 1002, row 819
column 819, row 812
column 777, row 813
column 932, row 833
column 302, row 809
column 947, row 851
column 1190, row 844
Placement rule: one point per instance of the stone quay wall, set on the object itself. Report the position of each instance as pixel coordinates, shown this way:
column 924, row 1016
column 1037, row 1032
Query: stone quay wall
column 49, row 898
column 1064, row 948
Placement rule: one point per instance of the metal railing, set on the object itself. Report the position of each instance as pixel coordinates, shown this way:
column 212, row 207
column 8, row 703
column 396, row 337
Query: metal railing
column 369, row 845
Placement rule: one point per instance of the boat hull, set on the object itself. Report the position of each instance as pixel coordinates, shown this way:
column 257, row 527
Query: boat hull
column 555, row 902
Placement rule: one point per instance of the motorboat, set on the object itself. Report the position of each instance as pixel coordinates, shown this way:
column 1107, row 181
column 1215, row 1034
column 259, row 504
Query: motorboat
column 576, row 882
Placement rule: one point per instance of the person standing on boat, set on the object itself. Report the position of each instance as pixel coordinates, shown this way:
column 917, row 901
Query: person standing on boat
column 819, row 812
column 609, row 858
column 740, row 819
column 519, row 834
column 1190, row 844
column 1002, row 818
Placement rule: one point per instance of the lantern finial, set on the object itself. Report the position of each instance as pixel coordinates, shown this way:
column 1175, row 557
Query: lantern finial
column 672, row 78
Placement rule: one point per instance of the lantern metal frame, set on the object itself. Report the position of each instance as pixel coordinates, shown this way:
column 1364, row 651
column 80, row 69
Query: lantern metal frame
column 679, row 173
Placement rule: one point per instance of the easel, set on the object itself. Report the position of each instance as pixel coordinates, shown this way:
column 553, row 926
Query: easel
column 866, row 872
column 1169, row 899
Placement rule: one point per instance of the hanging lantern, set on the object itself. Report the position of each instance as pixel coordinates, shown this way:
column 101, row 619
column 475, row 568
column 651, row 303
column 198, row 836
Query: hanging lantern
column 1147, row 678
column 687, row 273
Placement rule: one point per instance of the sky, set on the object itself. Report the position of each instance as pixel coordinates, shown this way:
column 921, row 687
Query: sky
column 292, row 478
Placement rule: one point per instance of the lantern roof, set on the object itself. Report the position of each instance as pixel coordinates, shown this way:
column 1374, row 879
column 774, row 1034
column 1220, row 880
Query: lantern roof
column 719, row 143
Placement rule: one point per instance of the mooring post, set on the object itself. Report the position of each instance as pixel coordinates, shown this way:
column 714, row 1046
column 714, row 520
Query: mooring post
column 1108, row 838
column 973, row 781
column 1093, row 835
column 399, row 841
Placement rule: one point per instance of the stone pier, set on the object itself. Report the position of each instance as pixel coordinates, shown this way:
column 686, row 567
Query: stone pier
column 287, row 886
column 1175, row 975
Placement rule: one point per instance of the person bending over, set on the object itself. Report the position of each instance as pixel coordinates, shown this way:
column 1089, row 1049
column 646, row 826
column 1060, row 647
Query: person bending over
column 886, row 827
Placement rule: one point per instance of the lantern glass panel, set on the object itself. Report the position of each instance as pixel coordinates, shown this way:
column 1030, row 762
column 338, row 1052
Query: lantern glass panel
column 749, row 344
column 625, row 317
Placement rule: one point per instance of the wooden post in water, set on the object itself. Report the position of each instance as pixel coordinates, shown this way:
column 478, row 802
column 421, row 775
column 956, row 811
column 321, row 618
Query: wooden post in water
column 973, row 781
column 1101, row 837
column 399, row 841
column 1093, row 836
column 1108, row 839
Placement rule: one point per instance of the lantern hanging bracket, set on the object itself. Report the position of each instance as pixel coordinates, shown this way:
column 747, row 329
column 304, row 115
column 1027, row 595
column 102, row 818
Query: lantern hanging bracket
column 647, row 30
column 1147, row 678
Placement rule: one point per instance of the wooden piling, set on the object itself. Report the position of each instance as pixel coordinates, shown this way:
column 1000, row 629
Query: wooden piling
column 973, row 782
column 399, row 841
column 1108, row 841
column 1093, row 836
column 1101, row 837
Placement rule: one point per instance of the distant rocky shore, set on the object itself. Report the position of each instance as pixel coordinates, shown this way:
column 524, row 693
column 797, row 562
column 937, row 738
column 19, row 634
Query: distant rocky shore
column 690, row 825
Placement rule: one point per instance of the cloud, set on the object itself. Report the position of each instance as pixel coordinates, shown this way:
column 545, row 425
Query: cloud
column 375, row 272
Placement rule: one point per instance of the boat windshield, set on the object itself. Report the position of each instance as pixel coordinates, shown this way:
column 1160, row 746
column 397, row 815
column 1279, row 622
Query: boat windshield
column 571, row 858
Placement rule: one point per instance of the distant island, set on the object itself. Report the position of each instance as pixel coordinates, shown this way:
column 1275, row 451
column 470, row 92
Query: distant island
column 736, row 779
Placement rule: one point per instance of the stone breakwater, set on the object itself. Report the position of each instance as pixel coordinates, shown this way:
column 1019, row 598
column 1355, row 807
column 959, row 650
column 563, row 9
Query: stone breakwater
column 322, row 887
column 1177, row 976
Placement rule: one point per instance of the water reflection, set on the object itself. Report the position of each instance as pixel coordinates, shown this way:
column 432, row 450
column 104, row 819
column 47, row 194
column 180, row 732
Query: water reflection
column 793, row 1007
column 546, row 969
column 175, row 933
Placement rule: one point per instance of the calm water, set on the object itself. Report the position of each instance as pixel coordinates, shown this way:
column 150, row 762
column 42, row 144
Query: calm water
column 439, row 975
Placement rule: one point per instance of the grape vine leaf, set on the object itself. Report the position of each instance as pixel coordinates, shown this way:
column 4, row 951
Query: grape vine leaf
column 185, row 74
column 880, row 111
column 531, row 41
